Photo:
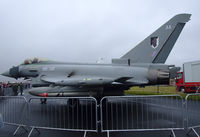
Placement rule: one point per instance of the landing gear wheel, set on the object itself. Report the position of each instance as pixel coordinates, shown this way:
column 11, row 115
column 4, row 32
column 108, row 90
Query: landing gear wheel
column 73, row 102
column 43, row 100
column 98, row 99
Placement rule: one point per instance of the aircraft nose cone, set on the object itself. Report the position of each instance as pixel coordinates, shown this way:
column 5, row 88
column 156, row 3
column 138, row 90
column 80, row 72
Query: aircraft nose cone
column 12, row 72
column 7, row 73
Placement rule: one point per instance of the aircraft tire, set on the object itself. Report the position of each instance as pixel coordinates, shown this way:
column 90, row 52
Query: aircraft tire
column 73, row 102
column 43, row 100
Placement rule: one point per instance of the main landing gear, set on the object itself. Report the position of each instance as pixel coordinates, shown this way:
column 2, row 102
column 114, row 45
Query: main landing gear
column 43, row 100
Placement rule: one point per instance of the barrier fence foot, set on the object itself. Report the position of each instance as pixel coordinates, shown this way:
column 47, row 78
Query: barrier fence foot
column 32, row 131
column 195, row 132
column 18, row 129
column 37, row 130
column 108, row 134
column 85, row 134
column 172, row 134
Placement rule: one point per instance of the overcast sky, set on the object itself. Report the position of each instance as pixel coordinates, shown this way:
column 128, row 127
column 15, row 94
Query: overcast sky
column 86, row 30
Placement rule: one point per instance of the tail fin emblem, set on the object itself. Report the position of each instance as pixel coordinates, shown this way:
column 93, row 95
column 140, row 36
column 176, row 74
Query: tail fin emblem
column 154, row 42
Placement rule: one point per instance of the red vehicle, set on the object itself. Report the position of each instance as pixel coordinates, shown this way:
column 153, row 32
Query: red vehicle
column 187, row 87
column 189, row 80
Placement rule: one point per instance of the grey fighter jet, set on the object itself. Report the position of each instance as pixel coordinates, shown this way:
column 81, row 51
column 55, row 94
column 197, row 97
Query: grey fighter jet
column 142, row 65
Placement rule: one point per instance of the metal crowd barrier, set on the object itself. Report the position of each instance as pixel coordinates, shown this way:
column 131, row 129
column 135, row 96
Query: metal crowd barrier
column 14, row 111
column 61, row 114
column 141, row 113
column 193, row 112
column 119, row 113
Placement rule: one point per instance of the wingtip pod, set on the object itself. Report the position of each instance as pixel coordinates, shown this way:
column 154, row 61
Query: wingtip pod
column 182, row 18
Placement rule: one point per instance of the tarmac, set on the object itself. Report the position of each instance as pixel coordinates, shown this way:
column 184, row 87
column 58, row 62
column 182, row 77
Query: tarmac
column 8, row 130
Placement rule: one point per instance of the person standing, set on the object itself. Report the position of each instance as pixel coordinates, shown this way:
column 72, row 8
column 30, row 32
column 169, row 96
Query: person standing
column 1, row 90
column 21, row 88
column 1, row 120
column 15, row 88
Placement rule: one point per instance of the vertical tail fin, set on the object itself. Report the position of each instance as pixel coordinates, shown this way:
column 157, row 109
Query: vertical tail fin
column 156, row 47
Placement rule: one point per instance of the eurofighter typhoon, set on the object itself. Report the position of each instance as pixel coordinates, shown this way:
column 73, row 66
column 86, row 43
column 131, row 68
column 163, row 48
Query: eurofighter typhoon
column 142, row 65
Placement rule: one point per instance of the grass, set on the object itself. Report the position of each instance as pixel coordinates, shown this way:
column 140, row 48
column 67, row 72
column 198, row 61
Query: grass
column 154, row 90
column 160, row 90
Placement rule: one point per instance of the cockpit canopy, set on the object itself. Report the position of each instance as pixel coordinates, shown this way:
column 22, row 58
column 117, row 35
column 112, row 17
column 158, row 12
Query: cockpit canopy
column 33, row 61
